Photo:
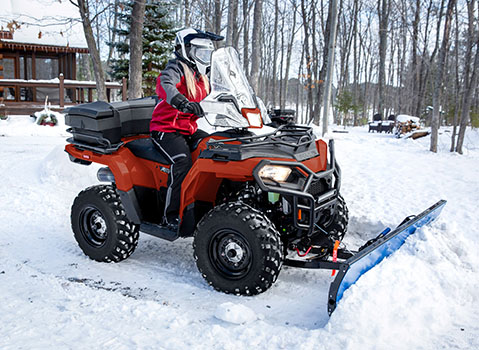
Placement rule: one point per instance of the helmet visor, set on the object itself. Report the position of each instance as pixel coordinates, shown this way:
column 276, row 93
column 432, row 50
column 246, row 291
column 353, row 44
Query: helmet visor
column 202, row 54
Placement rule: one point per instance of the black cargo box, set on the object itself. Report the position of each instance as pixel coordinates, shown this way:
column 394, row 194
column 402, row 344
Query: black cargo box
column 103, row 124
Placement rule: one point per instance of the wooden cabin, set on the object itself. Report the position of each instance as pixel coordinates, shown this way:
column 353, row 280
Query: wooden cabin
column 30, row 72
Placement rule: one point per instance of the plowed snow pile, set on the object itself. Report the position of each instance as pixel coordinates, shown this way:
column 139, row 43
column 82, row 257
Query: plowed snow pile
column 425, row 296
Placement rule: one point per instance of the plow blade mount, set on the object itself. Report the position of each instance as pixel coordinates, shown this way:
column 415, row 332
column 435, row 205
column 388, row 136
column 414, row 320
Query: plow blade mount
column 375, row 251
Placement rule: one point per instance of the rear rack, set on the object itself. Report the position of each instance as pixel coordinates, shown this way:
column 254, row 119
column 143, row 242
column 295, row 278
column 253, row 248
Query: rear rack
column 93, row 143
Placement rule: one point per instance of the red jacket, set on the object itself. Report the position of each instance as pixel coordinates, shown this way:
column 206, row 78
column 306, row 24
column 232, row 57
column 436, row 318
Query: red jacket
column 169, row 83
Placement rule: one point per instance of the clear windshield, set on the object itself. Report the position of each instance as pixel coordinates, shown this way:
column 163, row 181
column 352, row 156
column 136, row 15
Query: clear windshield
column 230, row 91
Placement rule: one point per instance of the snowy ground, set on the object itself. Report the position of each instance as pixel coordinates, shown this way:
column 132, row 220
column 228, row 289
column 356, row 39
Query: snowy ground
column 423, row 297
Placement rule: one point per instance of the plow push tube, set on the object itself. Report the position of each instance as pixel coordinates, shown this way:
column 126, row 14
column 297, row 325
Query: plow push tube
column 355, row 266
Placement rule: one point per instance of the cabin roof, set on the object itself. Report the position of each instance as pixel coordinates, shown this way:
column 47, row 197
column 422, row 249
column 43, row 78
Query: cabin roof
column 23, row 46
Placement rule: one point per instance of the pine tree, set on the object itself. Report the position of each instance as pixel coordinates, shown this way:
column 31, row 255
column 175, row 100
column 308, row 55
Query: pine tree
column 158, row 37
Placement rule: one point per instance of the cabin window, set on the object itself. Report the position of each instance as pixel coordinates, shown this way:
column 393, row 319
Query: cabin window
column 8, row 68
column 46, row 68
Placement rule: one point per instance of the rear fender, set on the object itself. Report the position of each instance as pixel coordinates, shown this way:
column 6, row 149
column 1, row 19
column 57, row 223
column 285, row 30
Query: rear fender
column 127, row 169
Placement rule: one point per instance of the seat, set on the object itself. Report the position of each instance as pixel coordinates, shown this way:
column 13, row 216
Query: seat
column 145, row 149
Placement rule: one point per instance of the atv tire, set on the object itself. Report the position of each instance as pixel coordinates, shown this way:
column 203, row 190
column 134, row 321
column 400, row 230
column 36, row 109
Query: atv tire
column 237, row 249
column 338, row 226
column 100, row 225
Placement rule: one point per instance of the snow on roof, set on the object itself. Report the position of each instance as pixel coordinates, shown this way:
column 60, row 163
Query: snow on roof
column 403, row 118
column 58, row 22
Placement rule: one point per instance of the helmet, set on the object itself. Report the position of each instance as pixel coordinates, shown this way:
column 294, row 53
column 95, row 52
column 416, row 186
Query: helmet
column 196, row 46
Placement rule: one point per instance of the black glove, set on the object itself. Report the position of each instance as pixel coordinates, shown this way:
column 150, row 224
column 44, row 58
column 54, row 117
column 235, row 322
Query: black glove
column 192, row 108
column 182, row 104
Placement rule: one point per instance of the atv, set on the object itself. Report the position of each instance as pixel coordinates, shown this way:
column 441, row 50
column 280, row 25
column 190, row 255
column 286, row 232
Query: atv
column 249, row 199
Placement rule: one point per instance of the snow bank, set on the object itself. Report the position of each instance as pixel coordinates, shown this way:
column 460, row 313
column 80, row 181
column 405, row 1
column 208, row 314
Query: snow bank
column 22, row 125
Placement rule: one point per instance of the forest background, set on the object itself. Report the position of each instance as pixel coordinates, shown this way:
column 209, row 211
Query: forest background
column 413, row 57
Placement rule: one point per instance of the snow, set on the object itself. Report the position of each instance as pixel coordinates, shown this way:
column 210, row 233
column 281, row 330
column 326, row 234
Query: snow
column 403, row 118
column 64, row 25
column 423, row 296
column 235, row 313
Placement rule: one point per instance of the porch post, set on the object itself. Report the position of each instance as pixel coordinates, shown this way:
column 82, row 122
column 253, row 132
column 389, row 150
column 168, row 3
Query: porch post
column 62, row 91
column 123, row 89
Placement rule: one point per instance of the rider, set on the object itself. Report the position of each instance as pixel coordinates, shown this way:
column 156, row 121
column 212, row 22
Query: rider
column 174, row 132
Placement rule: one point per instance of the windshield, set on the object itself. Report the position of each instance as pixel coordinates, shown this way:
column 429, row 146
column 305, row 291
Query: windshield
column 230, row 91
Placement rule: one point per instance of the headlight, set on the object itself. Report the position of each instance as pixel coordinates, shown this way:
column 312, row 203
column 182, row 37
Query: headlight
column 277, row 173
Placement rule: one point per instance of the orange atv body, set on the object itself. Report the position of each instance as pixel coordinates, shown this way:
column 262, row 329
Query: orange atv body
column 201, row 183
column 246, row 200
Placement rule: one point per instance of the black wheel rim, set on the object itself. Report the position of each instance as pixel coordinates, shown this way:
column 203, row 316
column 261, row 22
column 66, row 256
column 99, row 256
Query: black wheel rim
column 230, row 254
column 93, row 227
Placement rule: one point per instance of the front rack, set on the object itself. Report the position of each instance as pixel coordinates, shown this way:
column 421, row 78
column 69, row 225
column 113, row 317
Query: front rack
column 291, row 137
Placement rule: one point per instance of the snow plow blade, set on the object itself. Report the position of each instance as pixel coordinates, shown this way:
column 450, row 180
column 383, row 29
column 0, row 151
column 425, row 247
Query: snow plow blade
column 374, row 251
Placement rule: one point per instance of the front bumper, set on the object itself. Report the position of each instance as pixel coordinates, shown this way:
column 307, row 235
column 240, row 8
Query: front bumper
column 306, row 207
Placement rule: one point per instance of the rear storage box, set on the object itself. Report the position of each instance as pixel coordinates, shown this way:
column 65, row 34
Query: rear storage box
column 101, row 125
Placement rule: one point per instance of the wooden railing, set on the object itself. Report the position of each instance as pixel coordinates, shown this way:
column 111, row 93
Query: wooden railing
column 79, row 88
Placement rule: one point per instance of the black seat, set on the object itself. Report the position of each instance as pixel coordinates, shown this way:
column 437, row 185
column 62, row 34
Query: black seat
column 144, row 148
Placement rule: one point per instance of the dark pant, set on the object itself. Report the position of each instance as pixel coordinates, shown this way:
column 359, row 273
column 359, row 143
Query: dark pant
column 177, row 149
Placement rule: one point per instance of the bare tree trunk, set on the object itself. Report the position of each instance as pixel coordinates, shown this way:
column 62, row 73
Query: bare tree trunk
column 466, row 105
column 136, row 50
column 245, row 36
column 384, row 7
column 288, row 58
column 308, row 59
column 298, row 91
column 275, row 51
column 415, row 66
column 187, row 12
column 356, row 62
column 322, row 72
column 457, row 86
column 232, row 26
column 113, row 36
column 256, row 44
column 329, row 76
column 94, row 54
column 438, row 81
column 472, row 81
column 425, row 65
column 218, row 15
column 281, row 64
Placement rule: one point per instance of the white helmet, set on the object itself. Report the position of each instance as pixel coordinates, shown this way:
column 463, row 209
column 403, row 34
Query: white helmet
column 196, row 47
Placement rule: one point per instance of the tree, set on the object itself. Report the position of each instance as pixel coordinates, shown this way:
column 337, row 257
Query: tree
column 87, row 20
column 329, row 75
column 345, row 104
column 384, row 8
column 439, row 74
column 471, row 74
column 157, row 42
column 256, row 44
column 136, row 49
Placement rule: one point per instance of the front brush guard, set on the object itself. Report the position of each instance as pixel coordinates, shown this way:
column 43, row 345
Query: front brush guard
column 355, row 264
column 310, row 206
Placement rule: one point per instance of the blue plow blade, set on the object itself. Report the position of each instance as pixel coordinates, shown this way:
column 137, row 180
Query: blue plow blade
column 371, row 255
